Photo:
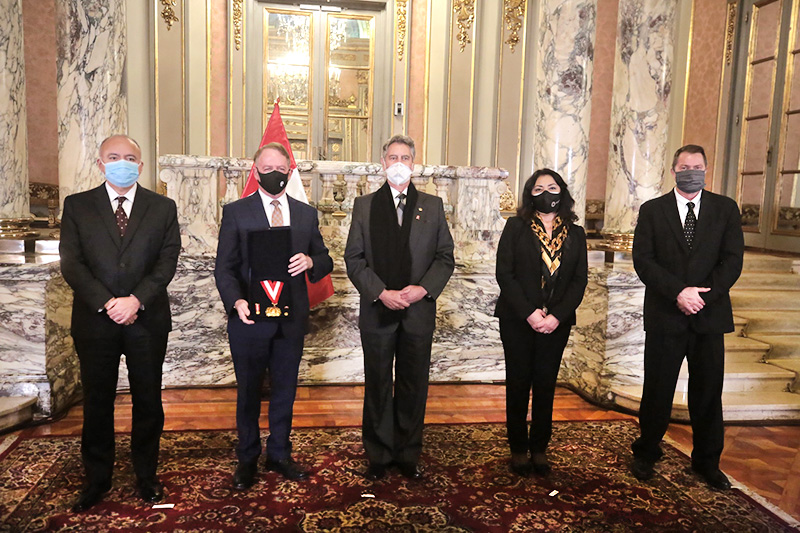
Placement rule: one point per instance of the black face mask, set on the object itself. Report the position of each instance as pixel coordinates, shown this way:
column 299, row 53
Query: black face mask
column 273, row 182
column 546, row 202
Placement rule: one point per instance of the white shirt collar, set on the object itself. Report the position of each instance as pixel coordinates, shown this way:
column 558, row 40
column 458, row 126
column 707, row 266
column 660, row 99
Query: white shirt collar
column 113, row 195
column 683, row 201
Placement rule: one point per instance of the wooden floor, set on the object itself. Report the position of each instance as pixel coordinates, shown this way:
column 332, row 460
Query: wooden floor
column 766, row 459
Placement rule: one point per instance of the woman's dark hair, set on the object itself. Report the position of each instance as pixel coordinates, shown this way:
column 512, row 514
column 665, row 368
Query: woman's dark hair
column 526, row 210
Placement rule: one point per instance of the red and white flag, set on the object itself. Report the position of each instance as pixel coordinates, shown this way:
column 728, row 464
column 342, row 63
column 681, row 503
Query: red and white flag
column 323, row 289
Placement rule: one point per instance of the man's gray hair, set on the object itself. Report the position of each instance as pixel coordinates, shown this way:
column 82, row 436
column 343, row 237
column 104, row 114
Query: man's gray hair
column 401, row 139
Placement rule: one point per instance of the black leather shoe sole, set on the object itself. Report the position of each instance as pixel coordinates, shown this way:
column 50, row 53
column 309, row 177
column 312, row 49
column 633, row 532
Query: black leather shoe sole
column 150, row 491
column 287, row 468
column 244, row 477
column 90, row 497
column 375, row 472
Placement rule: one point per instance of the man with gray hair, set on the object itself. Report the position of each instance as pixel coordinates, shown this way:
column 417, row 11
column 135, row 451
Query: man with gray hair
column 399, row 255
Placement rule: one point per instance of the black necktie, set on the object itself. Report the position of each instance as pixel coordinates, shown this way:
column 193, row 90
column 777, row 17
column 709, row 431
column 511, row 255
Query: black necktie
column 401, row 205
column 122, row 217
column 689, row 224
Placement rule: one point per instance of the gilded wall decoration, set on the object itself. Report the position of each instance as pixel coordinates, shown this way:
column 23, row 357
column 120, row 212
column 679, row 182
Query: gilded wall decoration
column 402, row 13
column 236, row 20
column 729, row 32
column 465, row 15
column 168, row 13
column 513, row 16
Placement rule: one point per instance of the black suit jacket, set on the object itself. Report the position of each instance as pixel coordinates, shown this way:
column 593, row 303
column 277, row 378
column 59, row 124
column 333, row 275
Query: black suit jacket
column 519, row 273
column 99, row 264
column 666, row 265
column 232, row 271
column 432, row 263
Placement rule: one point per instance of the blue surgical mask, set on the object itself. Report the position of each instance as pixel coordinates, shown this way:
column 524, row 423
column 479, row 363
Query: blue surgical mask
column 122, row 173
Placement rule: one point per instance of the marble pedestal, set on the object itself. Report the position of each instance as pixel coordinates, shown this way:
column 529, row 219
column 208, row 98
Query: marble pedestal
column 38, row 358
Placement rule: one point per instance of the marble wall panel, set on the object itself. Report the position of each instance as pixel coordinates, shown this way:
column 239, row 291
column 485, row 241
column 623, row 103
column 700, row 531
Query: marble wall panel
column 637, row 159
column 32, row 304
column 13, row 121
column 91, row 99
column 564, row 102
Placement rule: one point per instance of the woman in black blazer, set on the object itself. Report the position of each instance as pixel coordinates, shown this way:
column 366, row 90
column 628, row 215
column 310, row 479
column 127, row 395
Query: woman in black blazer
column 542, row 273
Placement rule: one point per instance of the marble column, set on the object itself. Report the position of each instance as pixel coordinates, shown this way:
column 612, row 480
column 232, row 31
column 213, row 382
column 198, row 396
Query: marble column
column 92, row 103
column 637, row 159
column 14, row 197
column 564, row 64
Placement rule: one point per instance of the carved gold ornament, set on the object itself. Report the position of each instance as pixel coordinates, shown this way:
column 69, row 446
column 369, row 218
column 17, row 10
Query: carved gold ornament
column 402, row 12
column 236, row 20
column 729, row 32
column 514, row 15
column 168, row 14
column 465, row 15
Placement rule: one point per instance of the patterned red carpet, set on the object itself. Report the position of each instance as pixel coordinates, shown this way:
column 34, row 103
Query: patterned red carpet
column 467, row 487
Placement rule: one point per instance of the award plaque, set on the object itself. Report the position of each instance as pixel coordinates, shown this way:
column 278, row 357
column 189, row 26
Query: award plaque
column 270, row 296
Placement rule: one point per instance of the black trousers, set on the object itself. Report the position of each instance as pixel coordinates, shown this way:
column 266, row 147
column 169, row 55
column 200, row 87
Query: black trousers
column 394, row 417
column 663, row 355
column 99, row 362
column 252, row 356
column 532, row 363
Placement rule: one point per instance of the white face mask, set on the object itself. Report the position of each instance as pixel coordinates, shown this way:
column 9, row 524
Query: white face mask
column 398, row 174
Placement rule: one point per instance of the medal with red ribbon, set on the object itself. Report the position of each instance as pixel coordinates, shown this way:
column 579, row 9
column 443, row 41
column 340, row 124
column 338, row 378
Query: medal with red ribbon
column 273, row 290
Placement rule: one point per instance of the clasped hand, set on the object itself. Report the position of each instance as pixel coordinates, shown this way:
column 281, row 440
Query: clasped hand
column 542, row 323
column 689, row 300
column 396, row 300
column 123, row 310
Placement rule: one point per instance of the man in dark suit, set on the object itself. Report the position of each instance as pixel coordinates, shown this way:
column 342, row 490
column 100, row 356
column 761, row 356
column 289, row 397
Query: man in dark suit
column 274, row 346
column 687, row 250
column 119, row 251
column 399, row 255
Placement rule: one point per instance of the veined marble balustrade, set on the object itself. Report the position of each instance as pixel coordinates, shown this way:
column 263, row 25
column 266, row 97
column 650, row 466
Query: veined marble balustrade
column 37, row 356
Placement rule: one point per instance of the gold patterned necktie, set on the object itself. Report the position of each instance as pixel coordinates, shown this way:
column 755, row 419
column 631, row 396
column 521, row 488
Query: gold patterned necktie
column 121, row 216
column 689, row 225
column 277, row 214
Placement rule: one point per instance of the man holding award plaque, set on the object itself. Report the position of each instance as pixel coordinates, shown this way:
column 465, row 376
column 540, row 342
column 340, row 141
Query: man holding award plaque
column 266, row 241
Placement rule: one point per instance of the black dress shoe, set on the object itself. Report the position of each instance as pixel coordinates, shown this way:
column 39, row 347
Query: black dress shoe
column 90, row 496
column 540, row 464
column 410, row 470
column 287, row 468
column 150, row 490
column 375, row 472
column 245, row 475
column 714, row 477
column 522, row 469
column 642, row 469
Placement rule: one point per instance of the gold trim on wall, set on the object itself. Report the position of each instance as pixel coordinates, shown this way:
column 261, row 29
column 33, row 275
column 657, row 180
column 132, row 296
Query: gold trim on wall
column 401, row 28
column 237, row 20
column 730, row 30
column 513, row 17
column 426, row 82
column 464, row 11
column 168, row 14
column 208, row 77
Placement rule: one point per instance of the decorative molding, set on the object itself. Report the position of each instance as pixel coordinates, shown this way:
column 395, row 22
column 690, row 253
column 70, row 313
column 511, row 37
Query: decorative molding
column 513, row 16
column 402, row 13
column 465, row 16
column 236, row 20
column 729, row 32
column 168, row 13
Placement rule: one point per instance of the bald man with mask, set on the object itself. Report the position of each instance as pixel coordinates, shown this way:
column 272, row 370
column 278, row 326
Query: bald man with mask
column 119, row 251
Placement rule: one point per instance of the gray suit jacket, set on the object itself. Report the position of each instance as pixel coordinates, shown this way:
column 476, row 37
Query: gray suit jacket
column 432, row 263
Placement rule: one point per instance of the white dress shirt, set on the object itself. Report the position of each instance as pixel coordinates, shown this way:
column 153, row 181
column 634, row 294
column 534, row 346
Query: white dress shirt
column 269, row 208
column 127, row 205
column 683, row 210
